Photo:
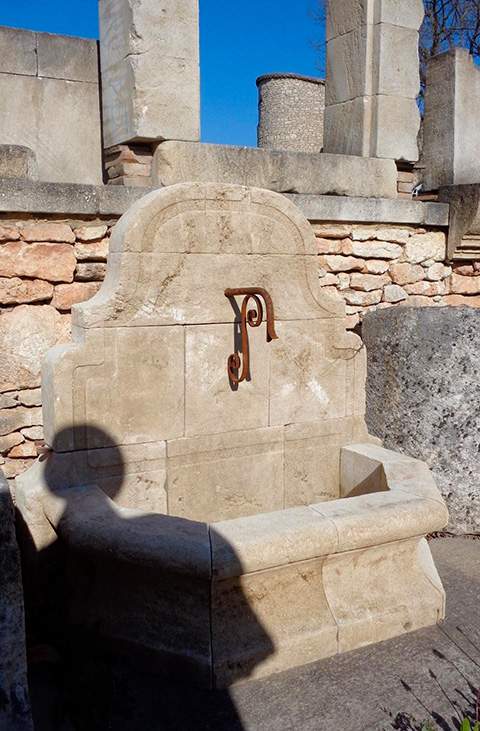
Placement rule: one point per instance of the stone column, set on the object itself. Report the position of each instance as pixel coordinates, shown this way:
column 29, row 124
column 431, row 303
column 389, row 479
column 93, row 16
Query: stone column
column 373, row 78
column 451, row 151
column 149, row 51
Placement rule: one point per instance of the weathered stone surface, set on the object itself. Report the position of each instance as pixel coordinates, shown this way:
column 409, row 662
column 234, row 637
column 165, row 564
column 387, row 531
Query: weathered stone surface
column 90, row 233
column 368, row 282
column 372, row 79
column 33, row 432
column 394, row 293
column 452, row 137
column 438, row 272
column 16, row 291
column 354, row 297
column 340, row 263
column 8, row 400
column 423, row 247
column 23, row 450
column 406, row 273
column 457, row 300
column 418, row 404
column 464, row 285
column 376, row 266
column 31, row 397
column 27, row 333
column 9, row 233
column 277, row 170
column 329, row 246
column 14, row 419
column 10, row 440
column 67, row 57
column 86, row 271
column 149, row 55
column 15, row 712
column 17, row 162
column 53, row 262
column 59, row 120
column 428, row 289
column 381, row 233
column 54, row 232
column 96, row 251
column 376, row 250
column 67, row 295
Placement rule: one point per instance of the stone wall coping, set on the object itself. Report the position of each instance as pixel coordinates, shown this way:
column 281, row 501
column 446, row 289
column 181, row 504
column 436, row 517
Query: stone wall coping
column 26, row 196
column 371, row 210
column 300, row 77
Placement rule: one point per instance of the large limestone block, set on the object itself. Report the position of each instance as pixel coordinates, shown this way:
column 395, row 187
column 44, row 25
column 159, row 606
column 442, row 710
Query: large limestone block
column 210, row 400
column 347, row 79
column 278, row 170
column 150, row 70
column 363, row 587
column 427, row 406
column 396, row 123
column 407, row 14
column 372, row 55
column 260, row 620
column 452, row 137
column 104, row 381
column 312, row 469
column 226, row 476
column 396, row 70
column 67, row 143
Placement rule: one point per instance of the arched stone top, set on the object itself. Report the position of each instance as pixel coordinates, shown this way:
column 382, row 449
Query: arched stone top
column 175, row 251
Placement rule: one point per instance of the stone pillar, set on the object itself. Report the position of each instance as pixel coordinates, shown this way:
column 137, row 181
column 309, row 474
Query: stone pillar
column 372, row 78
column 149, row 52
column 290, row 112
column 451, row 151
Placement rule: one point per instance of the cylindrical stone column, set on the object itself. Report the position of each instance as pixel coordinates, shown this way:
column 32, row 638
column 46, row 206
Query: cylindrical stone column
column 290, row 112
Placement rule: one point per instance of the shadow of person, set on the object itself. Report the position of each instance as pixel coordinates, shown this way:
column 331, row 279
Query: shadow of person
column 138, row 601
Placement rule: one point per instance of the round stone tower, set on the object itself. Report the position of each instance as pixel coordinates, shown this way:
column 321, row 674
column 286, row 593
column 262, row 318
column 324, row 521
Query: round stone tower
column 290, row 113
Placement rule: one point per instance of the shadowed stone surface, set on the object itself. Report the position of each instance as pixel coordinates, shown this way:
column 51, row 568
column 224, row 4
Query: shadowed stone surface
column 14, row 700
column 423, row 397
column 372, row 689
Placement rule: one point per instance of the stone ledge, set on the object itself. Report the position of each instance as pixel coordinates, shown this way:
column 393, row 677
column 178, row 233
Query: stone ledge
column 25, row 196
column 371, row 210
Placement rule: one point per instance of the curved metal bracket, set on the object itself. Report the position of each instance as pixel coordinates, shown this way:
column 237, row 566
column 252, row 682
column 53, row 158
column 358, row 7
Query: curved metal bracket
column 253, row 318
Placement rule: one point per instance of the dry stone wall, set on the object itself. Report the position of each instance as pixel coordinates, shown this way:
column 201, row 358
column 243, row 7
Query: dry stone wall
column 46, row 266
column 375, row 267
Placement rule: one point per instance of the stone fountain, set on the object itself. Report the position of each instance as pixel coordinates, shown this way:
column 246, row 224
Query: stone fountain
column 209, row 459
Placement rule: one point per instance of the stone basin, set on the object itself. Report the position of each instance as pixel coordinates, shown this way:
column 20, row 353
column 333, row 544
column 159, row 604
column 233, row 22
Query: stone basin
column 227, row 529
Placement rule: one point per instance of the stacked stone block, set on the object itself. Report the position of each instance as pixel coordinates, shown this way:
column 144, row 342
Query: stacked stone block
column 149, row 55
column 372, row 78
column 372, row 267
column 45, row 267
column 129, row 164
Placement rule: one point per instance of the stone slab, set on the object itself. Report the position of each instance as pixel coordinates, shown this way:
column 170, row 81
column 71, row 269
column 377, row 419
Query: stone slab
column 280, row 170
column 441, row 425
column 19, row 51
column 66, row 57
column 59, row 120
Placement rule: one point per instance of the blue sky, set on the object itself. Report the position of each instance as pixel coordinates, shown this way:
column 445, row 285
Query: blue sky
column 238, row 40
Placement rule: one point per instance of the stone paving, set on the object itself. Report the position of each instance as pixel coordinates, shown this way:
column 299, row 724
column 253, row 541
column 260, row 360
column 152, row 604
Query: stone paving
column 432, row 673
